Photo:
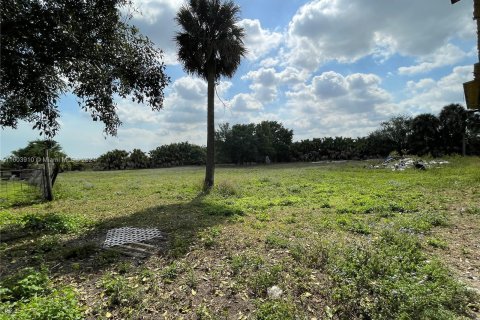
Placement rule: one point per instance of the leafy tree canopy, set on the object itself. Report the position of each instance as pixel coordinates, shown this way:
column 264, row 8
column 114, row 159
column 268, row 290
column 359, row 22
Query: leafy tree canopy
column 424, row 137
column 113, row 160
column 397, row 130
column 81, row 46
column 34, row 153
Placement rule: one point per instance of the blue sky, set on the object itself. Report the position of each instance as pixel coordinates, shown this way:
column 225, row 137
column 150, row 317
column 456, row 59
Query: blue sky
column 321, row 67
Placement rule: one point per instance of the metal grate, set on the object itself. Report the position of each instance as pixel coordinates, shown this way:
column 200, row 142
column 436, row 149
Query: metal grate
column 120, row 236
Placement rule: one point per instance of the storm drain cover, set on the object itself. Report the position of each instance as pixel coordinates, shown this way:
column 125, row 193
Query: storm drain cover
column 121, row 236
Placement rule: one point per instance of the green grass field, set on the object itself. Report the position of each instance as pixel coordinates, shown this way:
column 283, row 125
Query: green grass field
column 340, row 241
column 15, row 193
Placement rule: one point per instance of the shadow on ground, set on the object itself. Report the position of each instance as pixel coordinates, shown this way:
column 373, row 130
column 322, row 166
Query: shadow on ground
column 83, row 253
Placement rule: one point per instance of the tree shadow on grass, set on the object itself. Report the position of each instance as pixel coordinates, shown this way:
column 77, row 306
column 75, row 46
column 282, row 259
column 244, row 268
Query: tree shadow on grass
column 84, row 253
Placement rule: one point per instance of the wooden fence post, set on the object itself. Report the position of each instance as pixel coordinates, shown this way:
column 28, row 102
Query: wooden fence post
column 48, row 179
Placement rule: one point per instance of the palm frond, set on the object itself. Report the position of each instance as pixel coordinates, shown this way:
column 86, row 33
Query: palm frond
column 210, row 36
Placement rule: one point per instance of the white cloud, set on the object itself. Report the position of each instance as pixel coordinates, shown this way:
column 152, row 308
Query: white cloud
column 243, row 102
column 428, row 95
column 355, row 93
column 155, row 19
column 336, row 105
column 134, row 113
column 346, row 31
column 270, row 62
column 329, row 85
column 258, row 40
column 444, row 56
column 265, row 82
column 183, row 118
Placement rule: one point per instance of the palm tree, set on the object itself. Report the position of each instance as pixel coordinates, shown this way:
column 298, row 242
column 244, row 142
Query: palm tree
column 210, row 45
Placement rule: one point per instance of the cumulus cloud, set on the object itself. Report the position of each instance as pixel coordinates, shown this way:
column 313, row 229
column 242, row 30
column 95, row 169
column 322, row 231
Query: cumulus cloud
column 444, row 56
column 428, row 95
column 265, row 82
column 355, row 93
column 133, row 113
column 183, row 118
column 243, row 102
column 270, row 76
column 329, row 85
column 270, row 62
column 346, row 31
column 155, row 19
column 334, row 104
column 258, row 40
column 331, row 125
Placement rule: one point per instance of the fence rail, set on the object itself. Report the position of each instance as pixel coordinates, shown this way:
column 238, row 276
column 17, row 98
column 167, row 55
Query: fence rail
column 21, row 186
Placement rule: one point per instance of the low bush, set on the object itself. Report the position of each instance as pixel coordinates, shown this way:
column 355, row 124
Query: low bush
column 30, row 294
column 60, row 304
column 263, row 279
column 273, row 310
column 120, row 292
column 24, row 285
column 50, row 222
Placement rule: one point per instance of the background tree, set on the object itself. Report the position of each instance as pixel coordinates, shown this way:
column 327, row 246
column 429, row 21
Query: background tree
column 177, row 154
column 473, row 133
column 113, row 160
column 210, row 45
column 273, row 140
column 397, row 130
column 222, row 154
column 242, row 143
column 425, row 135
column 85, row 47
column 33, row 154
column 138, row 159
column 453, row 124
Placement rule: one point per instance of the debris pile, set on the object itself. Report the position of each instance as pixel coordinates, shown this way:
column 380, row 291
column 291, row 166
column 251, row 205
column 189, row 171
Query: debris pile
column 401, row 164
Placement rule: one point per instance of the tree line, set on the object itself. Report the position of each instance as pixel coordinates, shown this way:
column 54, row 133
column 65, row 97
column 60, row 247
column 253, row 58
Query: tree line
column 175, row 154
column 453, row 131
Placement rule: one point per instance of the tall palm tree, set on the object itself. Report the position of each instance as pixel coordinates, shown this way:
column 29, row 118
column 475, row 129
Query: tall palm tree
column 210, row 45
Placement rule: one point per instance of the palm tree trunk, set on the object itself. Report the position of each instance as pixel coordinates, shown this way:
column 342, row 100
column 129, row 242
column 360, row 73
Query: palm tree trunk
column 210, row 170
